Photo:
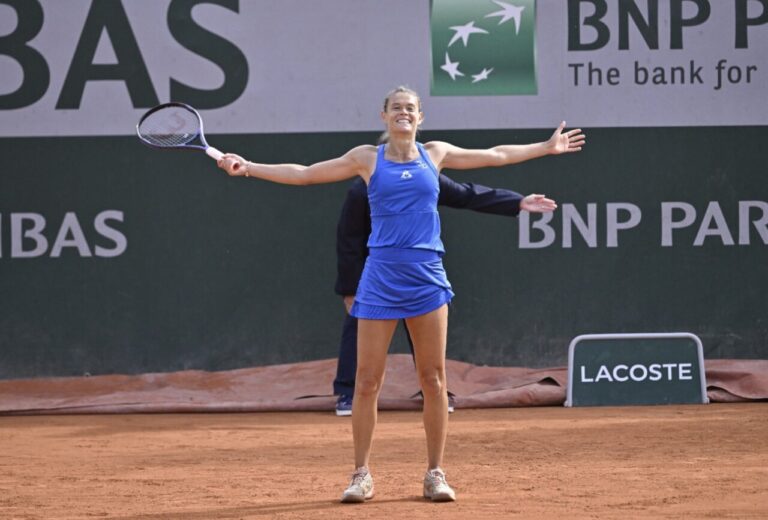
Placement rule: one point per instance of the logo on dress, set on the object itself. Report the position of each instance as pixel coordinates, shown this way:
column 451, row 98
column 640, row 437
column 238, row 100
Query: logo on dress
column 406, row 175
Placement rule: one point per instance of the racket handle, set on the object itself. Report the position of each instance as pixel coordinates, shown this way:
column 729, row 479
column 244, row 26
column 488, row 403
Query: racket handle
column 214, row 153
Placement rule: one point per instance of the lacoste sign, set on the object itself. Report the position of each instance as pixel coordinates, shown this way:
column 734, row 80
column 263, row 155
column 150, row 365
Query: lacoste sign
column 619, row 369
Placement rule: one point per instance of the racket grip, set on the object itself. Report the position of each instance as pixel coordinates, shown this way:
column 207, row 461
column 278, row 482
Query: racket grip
column 214, row 153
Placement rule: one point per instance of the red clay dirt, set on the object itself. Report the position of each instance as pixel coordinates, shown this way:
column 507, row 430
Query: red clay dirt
column 701, row 461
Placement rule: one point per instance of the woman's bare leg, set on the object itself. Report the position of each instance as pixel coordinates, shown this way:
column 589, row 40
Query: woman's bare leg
column 429, row 333
column 373, row 339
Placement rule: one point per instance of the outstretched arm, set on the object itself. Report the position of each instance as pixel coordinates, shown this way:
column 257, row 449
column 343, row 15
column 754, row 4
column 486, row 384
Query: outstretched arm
column 496, row 201
column 357, row 161
column 446, row 155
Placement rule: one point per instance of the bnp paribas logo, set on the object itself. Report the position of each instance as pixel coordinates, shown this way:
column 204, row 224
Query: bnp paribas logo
column 483, row 47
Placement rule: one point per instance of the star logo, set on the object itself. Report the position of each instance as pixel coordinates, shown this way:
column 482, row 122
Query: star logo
column 482, row 76
column 463, row 32
column 507, row 13
column 452, row 68
column 497, row 55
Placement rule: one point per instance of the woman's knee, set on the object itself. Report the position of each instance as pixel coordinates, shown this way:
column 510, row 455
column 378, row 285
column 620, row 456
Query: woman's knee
column 432, row 381
column 367, row 385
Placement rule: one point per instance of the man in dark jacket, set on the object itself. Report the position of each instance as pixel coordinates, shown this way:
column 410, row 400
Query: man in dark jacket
column 352, row 249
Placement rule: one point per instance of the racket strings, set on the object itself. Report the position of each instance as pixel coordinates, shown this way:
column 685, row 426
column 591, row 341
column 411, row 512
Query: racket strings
column 171, row 126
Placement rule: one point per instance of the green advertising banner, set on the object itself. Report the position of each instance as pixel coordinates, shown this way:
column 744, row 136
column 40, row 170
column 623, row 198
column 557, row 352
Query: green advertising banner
column 115, row 258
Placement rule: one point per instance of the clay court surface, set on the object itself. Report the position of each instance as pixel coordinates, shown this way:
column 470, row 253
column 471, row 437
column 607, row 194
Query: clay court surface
column 703, row 461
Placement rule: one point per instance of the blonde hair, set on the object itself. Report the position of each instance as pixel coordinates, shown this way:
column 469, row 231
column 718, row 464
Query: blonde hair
column 384, row 137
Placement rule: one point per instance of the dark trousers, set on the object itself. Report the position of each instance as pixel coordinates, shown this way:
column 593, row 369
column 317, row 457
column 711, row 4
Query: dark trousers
column 344, row 384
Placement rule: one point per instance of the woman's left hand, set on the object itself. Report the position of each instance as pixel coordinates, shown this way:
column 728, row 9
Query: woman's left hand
column 566, row 142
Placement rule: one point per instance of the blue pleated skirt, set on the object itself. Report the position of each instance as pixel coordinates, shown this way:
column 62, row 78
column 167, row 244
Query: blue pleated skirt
column 401, row 283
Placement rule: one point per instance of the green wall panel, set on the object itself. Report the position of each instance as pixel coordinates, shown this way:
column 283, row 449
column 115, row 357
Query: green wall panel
column 221, row 273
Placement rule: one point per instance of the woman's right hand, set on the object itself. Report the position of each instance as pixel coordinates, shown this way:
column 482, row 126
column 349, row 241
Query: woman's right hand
column 234, row 165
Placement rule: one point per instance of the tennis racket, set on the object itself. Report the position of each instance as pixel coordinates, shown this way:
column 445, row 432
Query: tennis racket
column 174, row 126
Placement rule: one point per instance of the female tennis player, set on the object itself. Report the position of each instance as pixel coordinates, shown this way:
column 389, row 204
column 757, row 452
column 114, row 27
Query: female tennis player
column 403, row 276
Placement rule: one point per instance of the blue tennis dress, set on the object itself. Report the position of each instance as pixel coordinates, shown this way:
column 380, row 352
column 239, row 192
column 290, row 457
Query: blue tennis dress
column 403, row 274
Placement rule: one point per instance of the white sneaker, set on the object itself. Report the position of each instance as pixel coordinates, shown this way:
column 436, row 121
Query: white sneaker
column 436, row 488
column 360, row 488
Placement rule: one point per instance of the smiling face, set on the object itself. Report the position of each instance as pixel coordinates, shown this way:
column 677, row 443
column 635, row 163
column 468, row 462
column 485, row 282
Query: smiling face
column 402, row 113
